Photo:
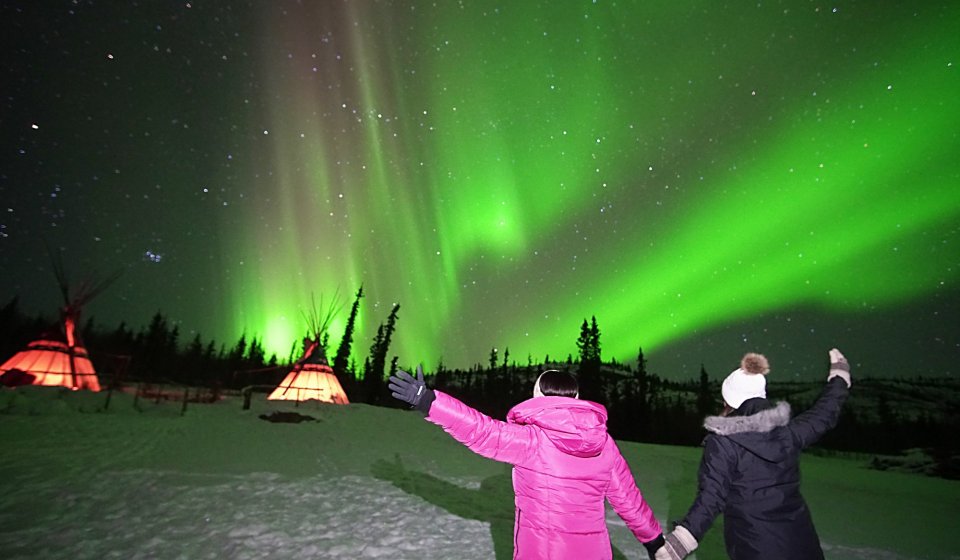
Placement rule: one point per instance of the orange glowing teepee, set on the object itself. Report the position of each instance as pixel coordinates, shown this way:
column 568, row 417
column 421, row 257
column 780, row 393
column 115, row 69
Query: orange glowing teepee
column 58, row 358
column 311, row 376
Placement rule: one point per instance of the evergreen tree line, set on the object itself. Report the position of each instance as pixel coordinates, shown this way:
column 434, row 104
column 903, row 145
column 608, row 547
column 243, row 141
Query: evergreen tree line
column 156, row 354
column 880, row 417
column 642, row 406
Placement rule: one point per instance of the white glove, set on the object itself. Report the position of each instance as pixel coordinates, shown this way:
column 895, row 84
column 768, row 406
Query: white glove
column 663, row 553
column 680, row 543
column 839, row 367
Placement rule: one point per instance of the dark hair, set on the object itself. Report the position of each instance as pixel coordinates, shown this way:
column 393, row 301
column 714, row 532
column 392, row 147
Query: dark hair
column 558, row 384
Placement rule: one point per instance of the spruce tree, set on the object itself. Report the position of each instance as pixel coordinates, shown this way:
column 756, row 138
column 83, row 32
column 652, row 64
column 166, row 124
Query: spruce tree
column 371, row 380
column 388, row 333
column 589, row 345
column 373, row 377
column 705, row 402
column 342, row 359
column 257, row 355
column 594, row 342
column 642, row 408
column 641, row 373
column 583, row 342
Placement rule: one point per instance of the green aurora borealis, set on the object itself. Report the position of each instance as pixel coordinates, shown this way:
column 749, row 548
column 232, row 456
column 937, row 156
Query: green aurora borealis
column 505, row 170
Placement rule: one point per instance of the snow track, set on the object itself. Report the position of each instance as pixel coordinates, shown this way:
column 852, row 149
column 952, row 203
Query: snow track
column 146, row 514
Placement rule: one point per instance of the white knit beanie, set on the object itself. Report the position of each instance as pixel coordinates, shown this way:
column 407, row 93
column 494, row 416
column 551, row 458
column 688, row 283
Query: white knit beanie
column 746, row 382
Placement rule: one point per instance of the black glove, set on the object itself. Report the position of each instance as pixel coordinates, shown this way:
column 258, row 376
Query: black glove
column 653, row 546
column 412, row 391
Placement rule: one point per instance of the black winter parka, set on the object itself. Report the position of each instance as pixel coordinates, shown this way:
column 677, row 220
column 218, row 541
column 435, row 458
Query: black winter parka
column 750, row 472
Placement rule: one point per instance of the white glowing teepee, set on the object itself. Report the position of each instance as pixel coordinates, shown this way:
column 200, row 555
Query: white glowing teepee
column 311, row 378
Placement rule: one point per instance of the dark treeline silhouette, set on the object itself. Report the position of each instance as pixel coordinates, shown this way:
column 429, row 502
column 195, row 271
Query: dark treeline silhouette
column 157, row 355
column 882, row 416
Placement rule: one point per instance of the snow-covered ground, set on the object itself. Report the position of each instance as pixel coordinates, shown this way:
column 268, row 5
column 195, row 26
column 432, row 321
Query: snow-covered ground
column 355, row 482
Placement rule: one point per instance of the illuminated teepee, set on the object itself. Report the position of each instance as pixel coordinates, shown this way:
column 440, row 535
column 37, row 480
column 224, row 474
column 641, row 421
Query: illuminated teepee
column 311, row 376
column 58, row 358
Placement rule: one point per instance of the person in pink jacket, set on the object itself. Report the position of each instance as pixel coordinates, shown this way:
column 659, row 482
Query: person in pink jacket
column 565, row 466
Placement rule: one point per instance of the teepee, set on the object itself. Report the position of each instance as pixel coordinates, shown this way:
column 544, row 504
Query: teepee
column 311, row 376
column 58, row 357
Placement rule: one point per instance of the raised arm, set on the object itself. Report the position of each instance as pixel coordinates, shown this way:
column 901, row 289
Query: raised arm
column 494, row 439
column 809, row 426
column 483, row 435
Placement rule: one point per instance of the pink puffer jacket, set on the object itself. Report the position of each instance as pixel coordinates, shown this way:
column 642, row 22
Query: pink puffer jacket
column 565, row 464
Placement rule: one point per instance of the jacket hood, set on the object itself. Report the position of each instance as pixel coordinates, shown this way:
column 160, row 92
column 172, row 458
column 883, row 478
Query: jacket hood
column 753, row 431
column 575, row 426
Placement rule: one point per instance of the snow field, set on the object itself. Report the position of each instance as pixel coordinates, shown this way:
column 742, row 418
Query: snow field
column 359, row 482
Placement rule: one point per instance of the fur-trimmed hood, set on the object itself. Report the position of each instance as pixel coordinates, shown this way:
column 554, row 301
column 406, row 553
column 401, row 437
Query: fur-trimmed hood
column 753, row 432
column 762, row 421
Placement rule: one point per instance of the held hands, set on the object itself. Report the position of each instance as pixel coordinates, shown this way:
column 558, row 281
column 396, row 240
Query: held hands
column 413, row 391
column 680, row 543
column 656, row 549
column 839, row 367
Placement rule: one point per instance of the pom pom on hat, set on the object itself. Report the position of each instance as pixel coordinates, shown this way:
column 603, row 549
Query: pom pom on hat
column 755, row 363
column 746, row 382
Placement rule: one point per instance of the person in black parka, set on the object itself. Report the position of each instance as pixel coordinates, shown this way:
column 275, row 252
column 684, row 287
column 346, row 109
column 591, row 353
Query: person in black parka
column 750, row 470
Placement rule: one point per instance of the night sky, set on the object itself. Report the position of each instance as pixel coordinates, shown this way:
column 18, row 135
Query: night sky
column 706, row 178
